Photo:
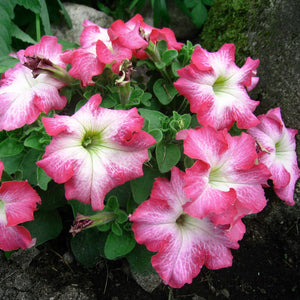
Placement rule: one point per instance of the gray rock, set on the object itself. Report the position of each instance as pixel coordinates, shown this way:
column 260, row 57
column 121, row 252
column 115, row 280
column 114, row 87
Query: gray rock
column 78, row 13
column 148, row 282
column 274, row 38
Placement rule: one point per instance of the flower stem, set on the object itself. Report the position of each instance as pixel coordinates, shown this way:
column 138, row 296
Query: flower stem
column 38, row 27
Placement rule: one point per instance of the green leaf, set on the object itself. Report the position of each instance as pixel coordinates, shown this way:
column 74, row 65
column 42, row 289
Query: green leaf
column 12, row 163
column 208, row 2
column 169, row 55
column 235, row 131
column 157, row 134
column 199, row 14
column 81, row 208
column 33, row 141
column 21, row 35
column 116, row 229
column 110, row 100
column 8, row 6
column 28, row 166
column 117, row 246
column 7, row 62
column 160, row 65
column 141, row 187
column 122, row 217
column 80, row 103
column 46, row 225
column 175, row 67
column 145, row 100
column 54, row 196
column 45, row 17
column 167, row 156
column 188, row 162
column 88, row 246
column 67, row 45
column 191, row 3
column 42, row 179
column 165, row 92
column 4, row 45
column 122, row 193
column 113, row 203
column 65, row 13
column 154, row 117
column 33, row 5
column 10, row 147
column 140, row 260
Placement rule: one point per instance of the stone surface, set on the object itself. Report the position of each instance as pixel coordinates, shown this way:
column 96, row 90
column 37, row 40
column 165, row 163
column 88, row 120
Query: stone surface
column 274, row 38
column 78, row 13
column 148, row 282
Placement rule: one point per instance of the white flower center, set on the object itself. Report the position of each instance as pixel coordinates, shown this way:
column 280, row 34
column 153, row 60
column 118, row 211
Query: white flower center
column 217, row 179
column 2, row 212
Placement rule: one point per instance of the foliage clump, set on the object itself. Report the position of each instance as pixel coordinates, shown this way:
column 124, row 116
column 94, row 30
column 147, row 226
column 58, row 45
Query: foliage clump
column 227, row 23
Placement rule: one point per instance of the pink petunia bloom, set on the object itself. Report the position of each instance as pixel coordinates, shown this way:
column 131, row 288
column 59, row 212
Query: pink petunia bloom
column 99, row 48
column 95, row 150
column 129, row 33
column 23, row 98
column 277, row 144
column 184, row 243
column 46, row 48
column 225, row 182
column 17, row 204
column 155, row 35
column 216, row 88
column 83, row 60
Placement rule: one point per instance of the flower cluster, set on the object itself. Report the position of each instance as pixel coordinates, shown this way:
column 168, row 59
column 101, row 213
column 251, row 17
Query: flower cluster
column 135, row 132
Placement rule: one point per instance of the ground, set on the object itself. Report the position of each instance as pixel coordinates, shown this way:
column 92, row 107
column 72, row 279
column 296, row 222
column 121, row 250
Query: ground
column 265, row 267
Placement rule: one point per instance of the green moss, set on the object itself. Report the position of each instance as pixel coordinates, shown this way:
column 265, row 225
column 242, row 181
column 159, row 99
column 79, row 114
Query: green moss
column 227, row 23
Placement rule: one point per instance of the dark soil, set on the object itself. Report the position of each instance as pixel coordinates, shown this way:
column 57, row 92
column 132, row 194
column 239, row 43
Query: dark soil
column 265, row 267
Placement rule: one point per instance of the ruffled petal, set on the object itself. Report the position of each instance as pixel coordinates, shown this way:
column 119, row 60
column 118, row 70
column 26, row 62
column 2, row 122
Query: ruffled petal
column 20, row 201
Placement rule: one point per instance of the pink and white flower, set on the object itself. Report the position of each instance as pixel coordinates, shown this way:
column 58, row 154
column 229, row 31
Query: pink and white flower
column 129, row 33
column 22, row 97
column 47, row 48
column 277, row 151
column 216, row 88
column 99, row 47
column 17, row 204
column 225, row 182
column 184, row 243
column 95, row 150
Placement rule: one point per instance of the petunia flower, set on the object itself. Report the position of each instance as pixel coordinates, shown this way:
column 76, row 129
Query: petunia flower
column 17, row 204
column 23, row 98
column 155, row 35
column 95, row 150
column 217, row 88
column 129, row 33
column 184, row 243
column 277, row 151
column 225, row 182
column 46, row 48
column 99, row 48
column 23, row 95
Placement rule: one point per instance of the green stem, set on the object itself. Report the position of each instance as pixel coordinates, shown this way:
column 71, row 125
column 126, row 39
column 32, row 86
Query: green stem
column 124, row 94
column 38, row 27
